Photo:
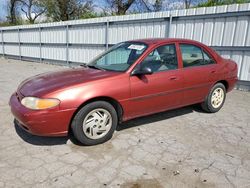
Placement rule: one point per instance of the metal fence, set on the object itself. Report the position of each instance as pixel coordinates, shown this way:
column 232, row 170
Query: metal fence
column 225, row 28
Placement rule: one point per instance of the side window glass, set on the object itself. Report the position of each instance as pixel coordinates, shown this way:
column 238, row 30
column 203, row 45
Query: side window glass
column 207, row 59
column 161, row 59
column 191, row 55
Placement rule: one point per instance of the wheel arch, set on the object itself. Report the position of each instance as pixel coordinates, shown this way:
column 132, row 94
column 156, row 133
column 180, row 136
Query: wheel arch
column 224, row 82
column 110, row 100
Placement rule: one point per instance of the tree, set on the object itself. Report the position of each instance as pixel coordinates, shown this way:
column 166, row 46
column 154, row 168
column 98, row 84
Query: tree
column 12, row 17
column 86, row 10
column 62, row 10
column 158, row 5
column 151, row 6
column 187, row 3
column 119, row 7
column 32, row 9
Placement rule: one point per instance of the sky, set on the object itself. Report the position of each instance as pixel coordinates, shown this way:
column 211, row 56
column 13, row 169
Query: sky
column 3, row 9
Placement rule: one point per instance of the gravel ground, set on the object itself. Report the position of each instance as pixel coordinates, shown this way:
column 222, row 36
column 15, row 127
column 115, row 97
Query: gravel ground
column 179, row 148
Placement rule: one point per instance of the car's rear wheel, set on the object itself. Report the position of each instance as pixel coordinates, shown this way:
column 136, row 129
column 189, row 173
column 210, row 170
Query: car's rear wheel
column 215, row 99
column 95, row 123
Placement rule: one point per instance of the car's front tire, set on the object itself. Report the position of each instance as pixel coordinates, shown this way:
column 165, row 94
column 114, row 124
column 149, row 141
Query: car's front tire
column 215, row 99
column 95, row 123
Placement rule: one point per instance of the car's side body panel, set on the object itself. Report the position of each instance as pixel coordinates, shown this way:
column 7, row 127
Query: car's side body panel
column 156, row 92
column 197, row 82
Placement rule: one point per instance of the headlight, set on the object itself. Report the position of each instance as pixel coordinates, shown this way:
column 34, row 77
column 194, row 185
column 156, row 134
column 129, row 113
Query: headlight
column 39, row 104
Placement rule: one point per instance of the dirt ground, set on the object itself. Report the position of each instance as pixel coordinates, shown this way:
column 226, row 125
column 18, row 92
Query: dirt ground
column 180, row 148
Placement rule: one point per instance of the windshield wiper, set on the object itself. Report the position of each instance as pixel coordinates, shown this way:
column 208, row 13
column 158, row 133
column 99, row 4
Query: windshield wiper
column 90, row 66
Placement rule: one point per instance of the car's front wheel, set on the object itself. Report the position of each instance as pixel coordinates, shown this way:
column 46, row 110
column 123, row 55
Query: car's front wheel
column 95, row 123
column 215, row 99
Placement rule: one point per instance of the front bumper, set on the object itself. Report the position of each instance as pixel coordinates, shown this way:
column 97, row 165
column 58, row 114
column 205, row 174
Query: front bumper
column 51, row 122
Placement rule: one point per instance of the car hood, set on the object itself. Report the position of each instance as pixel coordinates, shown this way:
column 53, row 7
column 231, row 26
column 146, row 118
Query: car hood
column 45, row 83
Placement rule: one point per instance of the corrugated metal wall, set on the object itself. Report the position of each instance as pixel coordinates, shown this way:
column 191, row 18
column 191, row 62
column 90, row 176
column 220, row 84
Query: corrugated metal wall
column 225, row 28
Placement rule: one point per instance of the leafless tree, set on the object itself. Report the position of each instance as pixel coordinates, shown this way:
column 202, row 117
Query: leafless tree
column 12, row 15
column 150, row 6
column 187, row 3
column 119, row 7
column 32, row 9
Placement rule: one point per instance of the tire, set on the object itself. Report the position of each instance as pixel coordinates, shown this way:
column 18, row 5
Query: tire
column 90, row 127
column 210, row 105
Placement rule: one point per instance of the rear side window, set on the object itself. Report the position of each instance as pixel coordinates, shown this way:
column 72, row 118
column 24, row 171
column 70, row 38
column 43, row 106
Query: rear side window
column 194, row 56
column 207, row 58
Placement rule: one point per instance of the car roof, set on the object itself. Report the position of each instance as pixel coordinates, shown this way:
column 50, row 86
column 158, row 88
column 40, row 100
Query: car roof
column 151, row 41
column 159, row 41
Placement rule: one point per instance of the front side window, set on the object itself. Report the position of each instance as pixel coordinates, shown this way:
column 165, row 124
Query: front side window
column 194, row 56
column 120, row 57
column 161, row 59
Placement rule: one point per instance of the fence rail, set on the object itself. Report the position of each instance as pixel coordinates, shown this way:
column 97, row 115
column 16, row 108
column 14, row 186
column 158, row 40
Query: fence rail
column 224, row 28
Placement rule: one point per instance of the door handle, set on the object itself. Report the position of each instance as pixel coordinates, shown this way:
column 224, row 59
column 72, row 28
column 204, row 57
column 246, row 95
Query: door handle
column 213, row 71
column 173, row 78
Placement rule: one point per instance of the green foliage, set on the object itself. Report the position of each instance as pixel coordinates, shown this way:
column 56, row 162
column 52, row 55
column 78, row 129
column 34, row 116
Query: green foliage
column 62, row 10
column 210, row 3
column 19, row 21
column 87, row 15
column 5, row 24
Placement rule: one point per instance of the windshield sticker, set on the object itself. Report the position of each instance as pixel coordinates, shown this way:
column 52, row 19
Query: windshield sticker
column 136, row 47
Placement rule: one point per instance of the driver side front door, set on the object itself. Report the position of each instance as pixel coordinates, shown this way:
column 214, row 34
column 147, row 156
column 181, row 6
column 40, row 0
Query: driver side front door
column 162, row 89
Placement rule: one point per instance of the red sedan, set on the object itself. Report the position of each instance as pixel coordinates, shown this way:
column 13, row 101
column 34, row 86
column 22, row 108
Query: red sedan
column 131, row 79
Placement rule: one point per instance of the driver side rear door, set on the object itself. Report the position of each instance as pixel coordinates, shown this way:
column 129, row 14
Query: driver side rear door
column 198, row 70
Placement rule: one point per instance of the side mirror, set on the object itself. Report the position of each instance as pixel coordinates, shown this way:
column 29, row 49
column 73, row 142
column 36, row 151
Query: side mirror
column 142, row 71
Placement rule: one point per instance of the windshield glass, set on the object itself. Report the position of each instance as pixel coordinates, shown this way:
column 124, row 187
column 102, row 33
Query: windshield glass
column 120, row 57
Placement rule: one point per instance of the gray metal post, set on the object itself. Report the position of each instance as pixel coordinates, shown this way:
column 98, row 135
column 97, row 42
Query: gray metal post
column 2, row 44
column 19, row 44
column 241, row 66
column 67, row 44
column 107, row 35
column 40, row 45
column 169, row 26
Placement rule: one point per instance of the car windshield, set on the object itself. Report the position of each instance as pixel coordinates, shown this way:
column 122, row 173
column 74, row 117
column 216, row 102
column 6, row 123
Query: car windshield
column 120, row 57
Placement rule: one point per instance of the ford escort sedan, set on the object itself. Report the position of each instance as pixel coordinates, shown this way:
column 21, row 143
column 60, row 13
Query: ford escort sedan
column 131, row 79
